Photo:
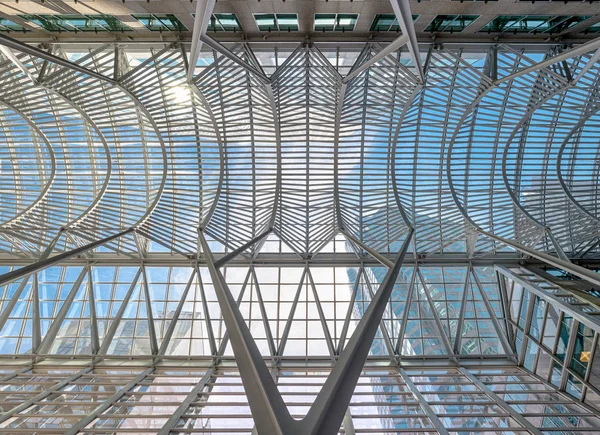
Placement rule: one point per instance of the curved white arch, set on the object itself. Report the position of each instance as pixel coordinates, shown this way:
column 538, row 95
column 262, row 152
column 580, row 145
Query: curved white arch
column 44, row 192
column 561, row 179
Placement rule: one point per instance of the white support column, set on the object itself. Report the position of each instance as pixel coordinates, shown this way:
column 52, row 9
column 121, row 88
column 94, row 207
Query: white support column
column 204, row 10
column 404, row 16
column 266, row 404
column 400, row 41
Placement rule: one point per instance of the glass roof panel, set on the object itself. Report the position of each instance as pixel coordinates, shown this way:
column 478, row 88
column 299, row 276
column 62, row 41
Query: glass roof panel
column 450, row 23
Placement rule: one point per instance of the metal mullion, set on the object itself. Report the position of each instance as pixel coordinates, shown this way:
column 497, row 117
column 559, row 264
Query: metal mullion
column 175, row 318
column 501, row 334
column 43, row 394
column 288, row 324
column 540, row 339
column 48, row 340
column 263, row 313
column 501, row 403
column 149, row 314
column 209, row 329
column 461, row 316
column 505, row 300
column 588, row 371
column 108, row 403
column 436, row 317
column 115, row 323
column 527, row 326
column 187, row 402
column 36, row 334
column 433, row 418
column 568, row 355
column 348, row 317
column 321, row 314
column 411, row 290
column 382, row 327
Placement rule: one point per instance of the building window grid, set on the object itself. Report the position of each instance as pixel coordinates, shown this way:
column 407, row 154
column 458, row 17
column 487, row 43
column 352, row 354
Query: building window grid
column 548, row 357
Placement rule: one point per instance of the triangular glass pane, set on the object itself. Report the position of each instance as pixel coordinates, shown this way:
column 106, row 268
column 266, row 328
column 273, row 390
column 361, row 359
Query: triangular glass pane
column 446, row 286
column 422, row 335
column 132, row 333
column 479, row 333
column 110, row 286
column 74, row 334
column 307, row 336
column 190, row 336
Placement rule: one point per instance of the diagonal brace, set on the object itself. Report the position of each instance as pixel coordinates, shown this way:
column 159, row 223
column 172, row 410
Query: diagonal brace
column 266, row 404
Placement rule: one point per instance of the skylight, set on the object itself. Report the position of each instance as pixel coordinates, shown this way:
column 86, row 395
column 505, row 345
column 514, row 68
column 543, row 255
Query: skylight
column 387, row 23
column 160, row 22
column 451, row 23
column 276, row 22
column 533, row 23
column 224, row 23
column 76, row 23
column 7, row 25
column 335, row 22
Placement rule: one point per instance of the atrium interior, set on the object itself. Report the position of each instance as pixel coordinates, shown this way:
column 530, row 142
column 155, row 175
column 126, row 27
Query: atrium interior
column 300, row 217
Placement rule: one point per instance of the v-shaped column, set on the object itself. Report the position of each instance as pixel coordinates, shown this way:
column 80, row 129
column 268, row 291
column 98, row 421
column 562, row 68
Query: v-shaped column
column 269, row 411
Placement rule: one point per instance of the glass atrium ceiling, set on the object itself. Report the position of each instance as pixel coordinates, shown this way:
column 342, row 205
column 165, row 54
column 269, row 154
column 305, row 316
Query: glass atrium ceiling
column 196, row 237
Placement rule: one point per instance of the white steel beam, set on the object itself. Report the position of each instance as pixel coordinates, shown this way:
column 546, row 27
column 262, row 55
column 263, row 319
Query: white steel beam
column 594, row 44
column 266, row 404
column 400, row 41
column 567, row 266
column 181, row 409
column 43, row 264
column 204, row 10
column 404, row 17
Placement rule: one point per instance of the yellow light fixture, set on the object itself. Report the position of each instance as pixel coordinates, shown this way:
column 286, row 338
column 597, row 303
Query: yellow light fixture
column 584, row 357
